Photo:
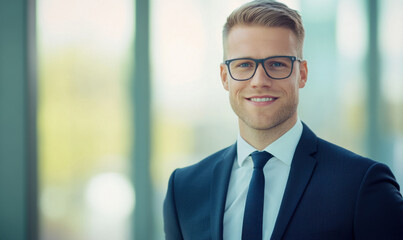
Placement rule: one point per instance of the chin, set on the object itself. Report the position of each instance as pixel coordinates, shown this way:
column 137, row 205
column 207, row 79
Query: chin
column 268, row 123
column 260, row 125
column 263, row 127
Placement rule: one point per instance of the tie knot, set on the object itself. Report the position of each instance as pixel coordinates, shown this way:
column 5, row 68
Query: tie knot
column 260, row 158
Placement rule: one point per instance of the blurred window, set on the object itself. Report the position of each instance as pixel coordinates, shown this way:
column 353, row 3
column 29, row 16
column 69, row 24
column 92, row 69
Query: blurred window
column 391, row 55
column 84, row 118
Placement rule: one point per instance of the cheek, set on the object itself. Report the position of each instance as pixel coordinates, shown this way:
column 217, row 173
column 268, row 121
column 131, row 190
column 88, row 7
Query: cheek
column 290, row 88
column 235, row 88
column 233, row 93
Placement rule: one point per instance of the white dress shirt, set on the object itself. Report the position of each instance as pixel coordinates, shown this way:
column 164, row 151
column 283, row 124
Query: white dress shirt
column 276, row 173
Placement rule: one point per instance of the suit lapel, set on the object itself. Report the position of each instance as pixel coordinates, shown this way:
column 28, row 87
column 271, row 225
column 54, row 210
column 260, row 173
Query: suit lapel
column 302, row 167
column 219, row 187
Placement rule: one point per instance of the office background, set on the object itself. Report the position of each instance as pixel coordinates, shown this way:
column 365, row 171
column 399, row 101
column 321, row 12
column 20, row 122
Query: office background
column 100, row 100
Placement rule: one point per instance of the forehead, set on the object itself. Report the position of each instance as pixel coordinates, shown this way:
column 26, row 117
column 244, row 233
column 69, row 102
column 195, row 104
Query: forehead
column 260, row 42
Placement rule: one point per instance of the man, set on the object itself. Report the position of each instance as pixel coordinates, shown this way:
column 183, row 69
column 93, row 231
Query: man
column 278, row 181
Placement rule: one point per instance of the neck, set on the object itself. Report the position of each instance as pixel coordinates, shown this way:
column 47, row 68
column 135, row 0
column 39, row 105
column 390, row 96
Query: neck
column 261, row 138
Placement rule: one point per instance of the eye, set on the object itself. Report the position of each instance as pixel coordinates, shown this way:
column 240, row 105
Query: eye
column 277, row 64
column 244, row 64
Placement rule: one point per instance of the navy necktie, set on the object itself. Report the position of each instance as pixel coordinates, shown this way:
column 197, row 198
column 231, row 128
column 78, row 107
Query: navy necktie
column 253, row 216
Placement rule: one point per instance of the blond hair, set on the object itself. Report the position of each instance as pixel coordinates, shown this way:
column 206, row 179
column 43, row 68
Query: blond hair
column 269, row 14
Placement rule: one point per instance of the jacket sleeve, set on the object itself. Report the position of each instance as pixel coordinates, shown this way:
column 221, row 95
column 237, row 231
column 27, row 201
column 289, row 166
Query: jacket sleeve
column 171, row 221
column 379, row 209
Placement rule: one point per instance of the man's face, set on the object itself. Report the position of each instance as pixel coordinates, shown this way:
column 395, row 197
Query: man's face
column 263, row 103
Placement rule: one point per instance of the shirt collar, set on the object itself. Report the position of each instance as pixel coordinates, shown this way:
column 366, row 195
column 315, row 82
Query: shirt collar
column 283, row 148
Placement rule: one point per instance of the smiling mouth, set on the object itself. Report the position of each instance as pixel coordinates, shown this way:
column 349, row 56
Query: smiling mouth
column 262, row 99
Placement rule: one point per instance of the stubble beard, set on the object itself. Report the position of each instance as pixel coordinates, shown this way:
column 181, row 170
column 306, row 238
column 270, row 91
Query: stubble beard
column 268, row 122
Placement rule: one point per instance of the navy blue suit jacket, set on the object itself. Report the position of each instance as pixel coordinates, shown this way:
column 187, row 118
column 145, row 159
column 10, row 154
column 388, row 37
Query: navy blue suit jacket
column 331, row 193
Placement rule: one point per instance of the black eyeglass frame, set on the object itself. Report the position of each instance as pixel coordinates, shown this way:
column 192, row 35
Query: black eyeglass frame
column 262, row 60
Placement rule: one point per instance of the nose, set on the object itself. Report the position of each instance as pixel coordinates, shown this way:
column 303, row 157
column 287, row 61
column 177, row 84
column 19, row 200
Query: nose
column 261, row 79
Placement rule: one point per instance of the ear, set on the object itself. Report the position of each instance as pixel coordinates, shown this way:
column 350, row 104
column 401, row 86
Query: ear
column 303, row 74
column 224, row 76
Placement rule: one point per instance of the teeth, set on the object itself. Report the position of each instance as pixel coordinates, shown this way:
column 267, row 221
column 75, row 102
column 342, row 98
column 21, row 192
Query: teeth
column 261, row 99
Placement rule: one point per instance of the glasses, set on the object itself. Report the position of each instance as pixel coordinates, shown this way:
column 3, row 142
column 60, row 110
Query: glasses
column 276, row 67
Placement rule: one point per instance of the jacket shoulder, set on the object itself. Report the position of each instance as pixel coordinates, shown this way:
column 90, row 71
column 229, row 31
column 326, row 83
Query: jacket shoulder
column 331, row 157
column 332, row 151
